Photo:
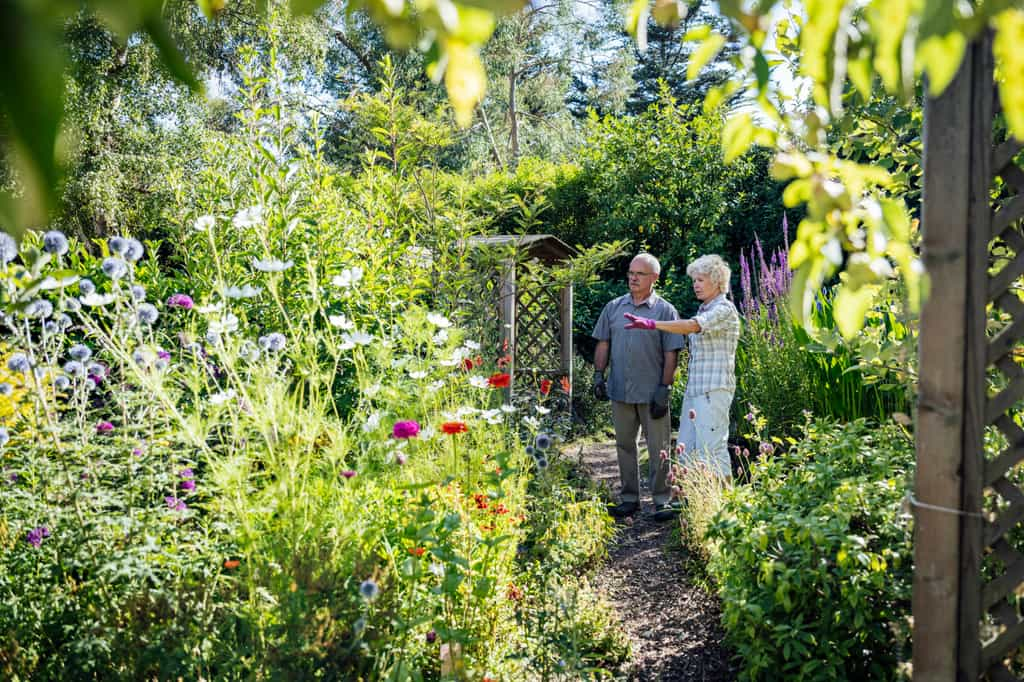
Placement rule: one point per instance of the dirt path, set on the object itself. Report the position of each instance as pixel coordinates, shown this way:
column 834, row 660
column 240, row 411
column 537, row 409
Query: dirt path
column 673, row 624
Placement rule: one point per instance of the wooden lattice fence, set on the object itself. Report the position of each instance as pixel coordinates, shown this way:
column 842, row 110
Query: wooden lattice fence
column 969, row 516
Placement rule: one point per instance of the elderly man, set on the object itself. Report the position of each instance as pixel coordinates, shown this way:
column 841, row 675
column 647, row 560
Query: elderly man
column 643, row 368
column 713, row 334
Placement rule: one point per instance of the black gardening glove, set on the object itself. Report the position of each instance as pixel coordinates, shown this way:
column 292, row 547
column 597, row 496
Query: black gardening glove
column 659, row 403
column 600, row 388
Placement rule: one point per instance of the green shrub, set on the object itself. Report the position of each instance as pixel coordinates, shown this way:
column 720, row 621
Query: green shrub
column 813, row 558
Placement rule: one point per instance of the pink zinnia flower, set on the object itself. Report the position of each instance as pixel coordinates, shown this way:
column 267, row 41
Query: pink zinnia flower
column 183, row 301
column 104, row 427
column 405, row 429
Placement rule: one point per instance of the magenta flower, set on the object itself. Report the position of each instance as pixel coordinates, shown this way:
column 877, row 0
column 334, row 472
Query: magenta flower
column 137, row 452
column 35, row 536
column 183, row 301
column 431, row 637
column 400, row 458
column 188, row 485
column 187, row 474
column 406, row 429
column 163, row 355
column 175, row 504
column 104, row 427
column 348, row 473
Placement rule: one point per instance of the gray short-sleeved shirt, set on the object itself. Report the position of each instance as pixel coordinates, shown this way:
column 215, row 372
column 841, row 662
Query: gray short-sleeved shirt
column 637, row 355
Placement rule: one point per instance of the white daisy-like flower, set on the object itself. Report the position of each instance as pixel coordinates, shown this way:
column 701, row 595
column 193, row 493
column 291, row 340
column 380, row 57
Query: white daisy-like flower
column 436, row 568
column 418, row 374
column 507, row 408
column 450, row 362
column 426, row 433
column 204, row 223
column 348, row 277
column 492, row 416
column 435, row 386
column 244, row 291
column 248, row 217
column 341, row 322
column 210, row 308
column 271, row 265
column 477, row 381
column 466, row 411
column 438, row 320
column 372, row 389
column 441, row 337
column 541, row 409
column 96, row 300
column 471, row 345
column 222, row 397
column 346, row 343
column 225, row 325
column 362, row 338
column 532, row 422
column 372, row 422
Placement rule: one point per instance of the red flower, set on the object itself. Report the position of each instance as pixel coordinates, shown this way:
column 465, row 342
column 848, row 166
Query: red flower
column 499, row 509
column 232, row 563
column 545, row 386
column 417, row 551
column 467, row 364
column 451, row 428
column 504, row 361
column 500, row 380
column 566, row 386
column 514, row 593
column 481, row 500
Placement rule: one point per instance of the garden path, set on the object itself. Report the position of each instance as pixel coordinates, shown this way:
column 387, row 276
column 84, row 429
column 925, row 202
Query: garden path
column 673, row 623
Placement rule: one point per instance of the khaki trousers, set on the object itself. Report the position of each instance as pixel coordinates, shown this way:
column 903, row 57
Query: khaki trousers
column 628, row 419
column 706, row 435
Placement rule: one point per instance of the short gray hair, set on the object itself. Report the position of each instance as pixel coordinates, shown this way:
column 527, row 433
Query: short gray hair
column 713, row 267
column 651, row 261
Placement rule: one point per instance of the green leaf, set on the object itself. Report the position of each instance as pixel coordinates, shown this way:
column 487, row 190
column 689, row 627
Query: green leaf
column 761, row 70
column 850, row 308
column 737, row 135
column 941, row 56
column 1010, row 63
column 707, row 51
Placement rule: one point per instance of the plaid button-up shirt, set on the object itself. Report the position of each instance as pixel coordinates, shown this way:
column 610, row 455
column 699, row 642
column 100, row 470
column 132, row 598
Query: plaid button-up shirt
column 713, row 349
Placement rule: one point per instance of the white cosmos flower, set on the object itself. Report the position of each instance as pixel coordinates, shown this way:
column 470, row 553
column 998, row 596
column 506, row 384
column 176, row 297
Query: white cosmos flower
column 426, row 433
column 541, row 409
column 471, row 345
column 492, row 416
column 507, row 408
column 362, row 338
column 372, row 422
column 372, row 390
column 477, row 381
column 95, row 299
column 438, row 320
column 441, row 337
column 434, row 387
column 204, row 223
column 532, row 422
column 248, row 217
column 245, row 291
column 225, row 325
column 271, row 265
column 418, row 374
column 211, row 308
column 348, row 277
column 341, row 322
column 222, row 397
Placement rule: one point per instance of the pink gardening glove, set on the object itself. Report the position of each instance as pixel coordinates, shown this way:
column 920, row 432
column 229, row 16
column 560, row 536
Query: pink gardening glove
column 638, row 322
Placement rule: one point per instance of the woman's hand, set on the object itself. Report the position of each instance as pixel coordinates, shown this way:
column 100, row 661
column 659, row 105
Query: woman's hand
column 638, row 322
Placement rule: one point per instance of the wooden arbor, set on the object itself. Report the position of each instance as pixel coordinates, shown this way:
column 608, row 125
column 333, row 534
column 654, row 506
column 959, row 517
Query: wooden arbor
column 969, row 508
column 536, row 320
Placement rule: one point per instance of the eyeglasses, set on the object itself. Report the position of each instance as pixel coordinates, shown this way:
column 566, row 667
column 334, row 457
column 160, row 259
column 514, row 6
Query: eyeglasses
column 633, row 273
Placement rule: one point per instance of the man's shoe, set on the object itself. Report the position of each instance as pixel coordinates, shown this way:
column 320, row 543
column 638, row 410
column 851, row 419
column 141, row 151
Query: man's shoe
column 623, row 509
column 665, row 512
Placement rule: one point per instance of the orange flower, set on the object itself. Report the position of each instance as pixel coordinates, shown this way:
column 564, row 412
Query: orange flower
column 232, row 563
column 545, row 386
column 451, row 428
column 417, row 551
column 481, row 500
column 514, row 593
column 566, row 386
column 500, row 380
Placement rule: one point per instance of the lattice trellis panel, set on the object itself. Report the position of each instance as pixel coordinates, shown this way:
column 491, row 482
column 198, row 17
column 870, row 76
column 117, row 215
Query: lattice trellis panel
column 1001, row 623
column 538, row 330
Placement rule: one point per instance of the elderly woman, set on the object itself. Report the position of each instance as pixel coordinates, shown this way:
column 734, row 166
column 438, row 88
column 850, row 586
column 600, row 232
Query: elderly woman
column 711, row 376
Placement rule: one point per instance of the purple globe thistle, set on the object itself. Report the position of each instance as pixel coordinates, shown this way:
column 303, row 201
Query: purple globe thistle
column 114, row 268
column 19, row 362
column 8, row 248
column 5, row 436
column 6, row 389
column 35, row 536
column 134, row 250
column 39, row 309
column 62, row 383
column 274, row 341
column 147, row 314
column 55, row 242
column 86, row 287
column 80, row 352
column 138, row 292
column 117, row 244
column 369, row 590
column 542, row 441
column 183, row 301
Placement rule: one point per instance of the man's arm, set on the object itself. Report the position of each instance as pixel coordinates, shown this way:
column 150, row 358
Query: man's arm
column 668, row 372
column 601, row 355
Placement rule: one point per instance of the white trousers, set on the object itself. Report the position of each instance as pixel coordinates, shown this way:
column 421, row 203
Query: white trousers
column 706, row 435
